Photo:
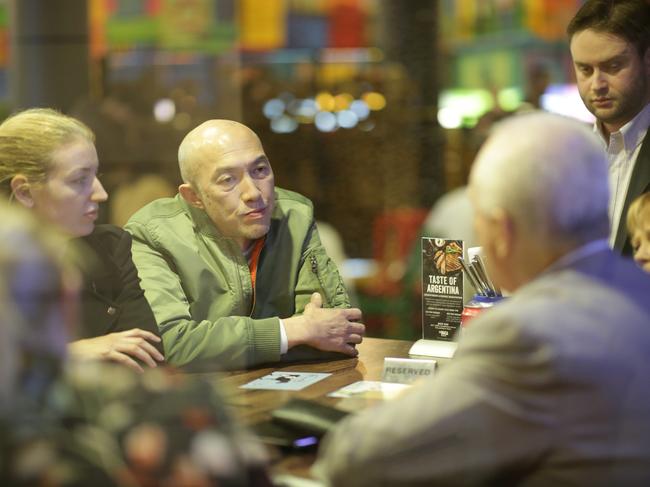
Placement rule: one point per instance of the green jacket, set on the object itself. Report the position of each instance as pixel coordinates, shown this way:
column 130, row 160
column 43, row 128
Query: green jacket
column 199, row 286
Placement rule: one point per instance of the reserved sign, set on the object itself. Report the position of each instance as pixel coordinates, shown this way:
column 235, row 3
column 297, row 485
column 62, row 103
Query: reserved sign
column 407, row 370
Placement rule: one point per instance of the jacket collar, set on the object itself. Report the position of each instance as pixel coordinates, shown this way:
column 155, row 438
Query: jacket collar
column 204, row 225
column 200, row 219
column 578, row 255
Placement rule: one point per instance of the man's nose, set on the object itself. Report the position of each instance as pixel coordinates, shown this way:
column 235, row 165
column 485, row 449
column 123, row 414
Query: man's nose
column 599, row 80
column 99, row 193
column 249, row 190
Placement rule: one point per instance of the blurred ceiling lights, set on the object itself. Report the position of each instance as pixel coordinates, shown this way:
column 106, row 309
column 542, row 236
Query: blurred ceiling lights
column 326, row 111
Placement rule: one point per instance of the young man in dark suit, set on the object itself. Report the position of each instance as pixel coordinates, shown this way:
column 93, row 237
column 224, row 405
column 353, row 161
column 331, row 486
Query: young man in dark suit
column 610, row 46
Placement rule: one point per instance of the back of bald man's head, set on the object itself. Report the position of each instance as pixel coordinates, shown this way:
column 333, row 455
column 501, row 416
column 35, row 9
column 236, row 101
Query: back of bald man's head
column 215, row 135
column 547, row 171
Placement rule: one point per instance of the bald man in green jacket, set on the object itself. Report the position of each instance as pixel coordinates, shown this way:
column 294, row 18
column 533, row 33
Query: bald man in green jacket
column 233, row 267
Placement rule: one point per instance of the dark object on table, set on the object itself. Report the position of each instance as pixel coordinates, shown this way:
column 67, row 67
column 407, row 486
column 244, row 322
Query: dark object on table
column 298, row 424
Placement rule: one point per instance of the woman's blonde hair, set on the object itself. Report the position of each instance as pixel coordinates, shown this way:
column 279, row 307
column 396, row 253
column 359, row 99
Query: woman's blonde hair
column 29, row 138
column 634, row 212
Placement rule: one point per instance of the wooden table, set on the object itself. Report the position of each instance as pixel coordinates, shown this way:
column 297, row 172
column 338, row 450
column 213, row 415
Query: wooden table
column 252, row 406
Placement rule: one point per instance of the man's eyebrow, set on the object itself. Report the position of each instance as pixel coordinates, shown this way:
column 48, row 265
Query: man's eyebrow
column 224, row 169
column 616, row 57
column 262, row 158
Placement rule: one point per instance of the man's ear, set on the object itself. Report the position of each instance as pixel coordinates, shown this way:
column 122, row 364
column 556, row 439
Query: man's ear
column 505, row 235
column 646, row 62
column 22, row 191
column 190, row 195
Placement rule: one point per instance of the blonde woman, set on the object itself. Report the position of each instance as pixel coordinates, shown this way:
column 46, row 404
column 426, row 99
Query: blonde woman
column 48, row 165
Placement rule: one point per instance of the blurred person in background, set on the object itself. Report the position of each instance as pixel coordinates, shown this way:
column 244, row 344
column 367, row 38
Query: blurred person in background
column 233, row 266
column 333, row 243
column 131, row 196
column 48, row 164
column 550, row 386
column 538, row 78
column 63, row 424
column 610, row 47
column 638, row 227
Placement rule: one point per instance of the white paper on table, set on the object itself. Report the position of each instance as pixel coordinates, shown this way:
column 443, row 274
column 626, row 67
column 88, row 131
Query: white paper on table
column 370, row 389
column 286, row 380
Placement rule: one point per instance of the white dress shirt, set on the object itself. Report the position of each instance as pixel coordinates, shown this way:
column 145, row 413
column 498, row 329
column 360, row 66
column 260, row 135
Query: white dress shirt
column 622, row 149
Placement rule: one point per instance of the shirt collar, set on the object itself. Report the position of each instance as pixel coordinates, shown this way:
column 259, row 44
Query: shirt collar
column 577, row 254
column 632, row 132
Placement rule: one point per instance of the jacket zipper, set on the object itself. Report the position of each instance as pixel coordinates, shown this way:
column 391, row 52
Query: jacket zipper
column 316, row 272
column 255, row 259
column 253, row 305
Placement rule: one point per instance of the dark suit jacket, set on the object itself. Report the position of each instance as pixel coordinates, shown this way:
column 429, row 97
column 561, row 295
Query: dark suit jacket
column 639, row 184
column 112, row 299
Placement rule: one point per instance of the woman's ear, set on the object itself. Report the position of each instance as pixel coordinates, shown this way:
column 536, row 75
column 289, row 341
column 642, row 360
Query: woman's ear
column 21, row 190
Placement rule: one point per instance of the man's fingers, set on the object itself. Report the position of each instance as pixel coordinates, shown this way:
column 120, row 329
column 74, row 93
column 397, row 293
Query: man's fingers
column 316, row 300
column 354, row 338
column 357, row 328
column 349, row 350
column 353, row 314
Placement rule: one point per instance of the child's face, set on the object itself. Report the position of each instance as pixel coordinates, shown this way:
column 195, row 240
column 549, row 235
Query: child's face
column 641, row 239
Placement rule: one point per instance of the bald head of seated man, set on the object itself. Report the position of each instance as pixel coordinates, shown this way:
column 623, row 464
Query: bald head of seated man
column 233, row 266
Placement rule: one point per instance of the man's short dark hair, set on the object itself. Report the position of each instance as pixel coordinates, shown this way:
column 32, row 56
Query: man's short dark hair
column 627, row 19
